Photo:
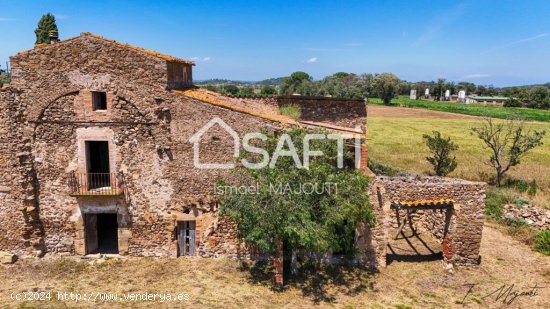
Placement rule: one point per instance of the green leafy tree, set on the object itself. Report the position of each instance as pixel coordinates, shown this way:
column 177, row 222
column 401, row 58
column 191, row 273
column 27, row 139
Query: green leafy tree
column 386, row 87
column 316, row 221
column 246, row 91
column 298, row 82
column 470, row 88
column 230, row 89
column 538, row 97
column 508, row 142
column 441, row 153
column 342, row 85
column 268, row 90
column 439, row 89
column 45, row 25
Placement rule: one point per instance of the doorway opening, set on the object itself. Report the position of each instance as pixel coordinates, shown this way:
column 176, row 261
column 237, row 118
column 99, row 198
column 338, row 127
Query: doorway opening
column 186, row 238
column 97, row 164
column 412, row 245
column 101, row 232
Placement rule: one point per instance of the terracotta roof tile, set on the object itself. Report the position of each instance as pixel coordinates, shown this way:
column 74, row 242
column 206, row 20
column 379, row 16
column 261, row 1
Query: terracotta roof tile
column 425, row 202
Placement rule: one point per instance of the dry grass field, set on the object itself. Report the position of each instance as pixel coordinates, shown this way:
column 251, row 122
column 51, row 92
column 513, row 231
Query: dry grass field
column 395, row 138
column 220, row 283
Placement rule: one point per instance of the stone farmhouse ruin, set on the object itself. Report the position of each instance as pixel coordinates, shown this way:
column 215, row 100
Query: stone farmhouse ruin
column 95, row 157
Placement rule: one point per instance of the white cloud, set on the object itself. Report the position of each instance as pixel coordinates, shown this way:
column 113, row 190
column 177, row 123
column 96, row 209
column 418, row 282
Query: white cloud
column 533, row 38
column 204, row 59
column 476, row 75
column 324, row 49
column 312, row 60
column 6, row 19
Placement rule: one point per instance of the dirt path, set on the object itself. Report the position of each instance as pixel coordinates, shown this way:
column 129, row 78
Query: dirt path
column 406, row 112
column 220, row 283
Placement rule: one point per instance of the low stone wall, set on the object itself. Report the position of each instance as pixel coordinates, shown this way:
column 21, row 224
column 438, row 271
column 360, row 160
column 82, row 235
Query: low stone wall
column 462, row 239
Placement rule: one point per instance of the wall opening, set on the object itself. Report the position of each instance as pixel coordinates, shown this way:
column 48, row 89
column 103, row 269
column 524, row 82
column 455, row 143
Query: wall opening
column 101, row 232
column 186, row 238
column 99, row 101
column 422, row 225
column 97, row 164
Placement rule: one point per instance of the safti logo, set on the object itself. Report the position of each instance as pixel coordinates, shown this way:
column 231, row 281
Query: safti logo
column 285, row 148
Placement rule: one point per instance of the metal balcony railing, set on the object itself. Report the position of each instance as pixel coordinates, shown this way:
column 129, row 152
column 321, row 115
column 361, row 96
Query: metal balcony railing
column 81, row 184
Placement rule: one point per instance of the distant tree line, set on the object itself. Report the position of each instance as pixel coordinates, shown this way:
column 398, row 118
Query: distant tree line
column 536, row 97
column 385, row 86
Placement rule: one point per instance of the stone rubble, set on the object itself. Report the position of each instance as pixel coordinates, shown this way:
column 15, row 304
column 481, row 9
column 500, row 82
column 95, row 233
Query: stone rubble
column 536, row 217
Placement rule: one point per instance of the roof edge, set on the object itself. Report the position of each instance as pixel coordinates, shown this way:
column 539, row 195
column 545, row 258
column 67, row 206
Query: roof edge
column 129, row 46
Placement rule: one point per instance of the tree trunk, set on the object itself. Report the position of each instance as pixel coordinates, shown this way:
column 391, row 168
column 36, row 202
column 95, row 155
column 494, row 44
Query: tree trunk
column 278, row 267
column 499, row 176
column 293, row 263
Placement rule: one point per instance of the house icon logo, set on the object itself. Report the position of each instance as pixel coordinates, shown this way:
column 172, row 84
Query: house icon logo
column 196, row 138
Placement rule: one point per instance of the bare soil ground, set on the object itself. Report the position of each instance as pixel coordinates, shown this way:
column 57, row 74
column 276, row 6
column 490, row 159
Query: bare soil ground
column 221, row 283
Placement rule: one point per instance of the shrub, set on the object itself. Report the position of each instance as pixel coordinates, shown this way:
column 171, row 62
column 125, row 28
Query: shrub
column 381, row 169
column 291, row 110
column 542, row 242
column 523, row 186
column 494, row 205
column 521, row 202
column 512, row 102
column 514, row 222
column 441, row 149
column 268, row 90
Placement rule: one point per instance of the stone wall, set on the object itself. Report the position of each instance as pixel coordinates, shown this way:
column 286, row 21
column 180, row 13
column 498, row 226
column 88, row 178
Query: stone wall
column 148, row 128
column 346, row 113
column 465, row 221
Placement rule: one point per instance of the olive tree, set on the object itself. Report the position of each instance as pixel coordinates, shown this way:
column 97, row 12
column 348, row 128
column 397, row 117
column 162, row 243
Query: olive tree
column 508, row 142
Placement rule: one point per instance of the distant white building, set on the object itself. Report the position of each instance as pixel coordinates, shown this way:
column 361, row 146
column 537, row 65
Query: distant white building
column 474, row 99
column 412, row 96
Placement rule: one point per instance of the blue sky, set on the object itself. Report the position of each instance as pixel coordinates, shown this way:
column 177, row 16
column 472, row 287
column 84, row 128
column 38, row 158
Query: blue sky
column 482, row 41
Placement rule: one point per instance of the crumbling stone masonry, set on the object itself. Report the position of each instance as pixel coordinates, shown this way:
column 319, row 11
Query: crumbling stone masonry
column 461, row 242
column 90, row 106
column 68, row 95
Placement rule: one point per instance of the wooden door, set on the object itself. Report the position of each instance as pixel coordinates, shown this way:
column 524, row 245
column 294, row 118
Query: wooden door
column 90, row 233
column 186, row 238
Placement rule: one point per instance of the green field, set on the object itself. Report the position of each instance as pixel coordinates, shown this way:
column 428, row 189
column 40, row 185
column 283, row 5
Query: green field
column 397, row 141
column 471, row 109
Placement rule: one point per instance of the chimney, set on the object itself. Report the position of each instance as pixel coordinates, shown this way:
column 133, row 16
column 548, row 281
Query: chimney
column 54, row 36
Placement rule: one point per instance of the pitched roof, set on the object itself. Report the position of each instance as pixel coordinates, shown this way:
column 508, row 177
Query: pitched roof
column 95, row 36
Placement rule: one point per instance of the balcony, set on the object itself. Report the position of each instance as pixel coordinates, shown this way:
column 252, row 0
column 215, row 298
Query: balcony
column 92, row 184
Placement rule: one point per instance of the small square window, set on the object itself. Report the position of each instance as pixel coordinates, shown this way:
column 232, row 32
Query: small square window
column 99, row 101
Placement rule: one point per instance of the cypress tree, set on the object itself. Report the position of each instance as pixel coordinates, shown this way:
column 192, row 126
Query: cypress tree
column 45, row 25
